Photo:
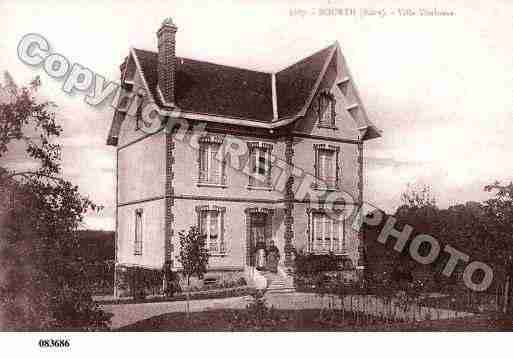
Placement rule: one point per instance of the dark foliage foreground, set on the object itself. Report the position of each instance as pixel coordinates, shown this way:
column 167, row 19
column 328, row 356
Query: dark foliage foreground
column 43, row 285
column 306, row 320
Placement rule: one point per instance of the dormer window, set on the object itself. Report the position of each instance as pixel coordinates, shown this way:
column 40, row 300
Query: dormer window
column 326, row 109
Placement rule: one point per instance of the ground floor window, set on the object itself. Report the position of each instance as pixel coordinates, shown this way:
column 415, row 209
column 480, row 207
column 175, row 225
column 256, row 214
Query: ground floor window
column 327, row 232
column 211, row 224
column 138, row 232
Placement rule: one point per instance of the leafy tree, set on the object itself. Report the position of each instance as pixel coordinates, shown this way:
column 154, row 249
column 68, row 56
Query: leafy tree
column 42, row 287
column 193, row 255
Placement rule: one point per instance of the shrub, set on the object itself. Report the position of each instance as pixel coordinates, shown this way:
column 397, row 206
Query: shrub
column 318, row 263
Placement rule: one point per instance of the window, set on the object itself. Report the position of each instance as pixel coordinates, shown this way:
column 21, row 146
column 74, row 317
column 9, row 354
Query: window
column 260, row 164
column 211, row 224
column 326, row 109
column 327, row 233
column 211, row 168
column 138, row 240
column 12, row 199
column 326, row 166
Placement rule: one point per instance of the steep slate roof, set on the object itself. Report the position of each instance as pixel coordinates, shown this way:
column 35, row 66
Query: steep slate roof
column 295, row 83
column 207, row 88
column 241, row 95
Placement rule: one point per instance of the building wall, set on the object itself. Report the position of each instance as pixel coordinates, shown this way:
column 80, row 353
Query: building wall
column 186, row 171
column 301, row 232
column 153, row 224
column 234, row 230
column 304, row 158
column 235, row 197
column 142, row 162
column 346, row 136
column 141, row 168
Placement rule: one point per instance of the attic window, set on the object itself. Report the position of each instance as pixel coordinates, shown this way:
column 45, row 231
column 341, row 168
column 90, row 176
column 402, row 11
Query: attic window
column 344, row 86
column 353, row 111
column 326, row 109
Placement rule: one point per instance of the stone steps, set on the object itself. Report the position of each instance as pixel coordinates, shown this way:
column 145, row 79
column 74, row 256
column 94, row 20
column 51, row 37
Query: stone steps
column 277, row 284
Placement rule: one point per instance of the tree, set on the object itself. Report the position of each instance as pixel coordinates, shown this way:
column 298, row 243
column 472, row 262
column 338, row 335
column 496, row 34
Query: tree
column 43, row 288
column 193, row 256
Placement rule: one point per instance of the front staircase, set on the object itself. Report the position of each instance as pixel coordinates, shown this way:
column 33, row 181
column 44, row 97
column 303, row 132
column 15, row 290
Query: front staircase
column 276, row 283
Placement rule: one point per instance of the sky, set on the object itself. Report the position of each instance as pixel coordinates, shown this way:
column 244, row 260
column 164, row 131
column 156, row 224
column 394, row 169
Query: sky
column 439, row 87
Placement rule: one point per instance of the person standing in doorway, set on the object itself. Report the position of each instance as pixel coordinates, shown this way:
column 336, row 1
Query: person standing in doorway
column 273, row 257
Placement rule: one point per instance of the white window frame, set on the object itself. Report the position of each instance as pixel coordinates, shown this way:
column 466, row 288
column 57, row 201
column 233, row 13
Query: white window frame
column 138, row 232
column 257, row 179
column 206, row 145
column 320, row 220
column 320, row 167
column 221, row 248
column 330, row 110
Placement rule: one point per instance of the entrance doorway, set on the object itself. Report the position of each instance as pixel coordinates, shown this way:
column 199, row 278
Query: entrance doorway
column 259, row 232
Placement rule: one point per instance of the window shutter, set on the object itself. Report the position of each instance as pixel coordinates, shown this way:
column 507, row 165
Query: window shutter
column 202, row 222
column 214, row 232
column 222, row 244
column 215, row 170
column 252, row 165
column 330, row 169
column 203, row 170
column 268, row 168
column 138, row 232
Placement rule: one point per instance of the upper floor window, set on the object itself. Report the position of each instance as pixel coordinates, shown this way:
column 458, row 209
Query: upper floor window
column 260, row 164
column 327, row 233
column 326, row 109
column 211, row 225
column 326, row 166
column 12, row 199
column 211, row 167
column 138, row 232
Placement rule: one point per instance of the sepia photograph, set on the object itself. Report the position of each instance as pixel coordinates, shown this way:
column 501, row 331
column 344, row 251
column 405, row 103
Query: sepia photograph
column 323, row 166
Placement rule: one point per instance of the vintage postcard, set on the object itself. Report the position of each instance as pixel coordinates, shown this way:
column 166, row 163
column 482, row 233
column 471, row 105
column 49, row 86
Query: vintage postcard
column 255, row 166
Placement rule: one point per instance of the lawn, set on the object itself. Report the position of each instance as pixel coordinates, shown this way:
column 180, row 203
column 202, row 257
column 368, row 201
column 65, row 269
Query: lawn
column 306, row 320
column 238, row 320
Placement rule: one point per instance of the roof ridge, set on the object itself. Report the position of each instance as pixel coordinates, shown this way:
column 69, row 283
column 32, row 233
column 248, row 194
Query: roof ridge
column 247, row 69
column 212, row 63
column 307, row 57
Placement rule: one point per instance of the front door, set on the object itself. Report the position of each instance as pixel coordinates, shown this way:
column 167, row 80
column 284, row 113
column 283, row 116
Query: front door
column 259, row 233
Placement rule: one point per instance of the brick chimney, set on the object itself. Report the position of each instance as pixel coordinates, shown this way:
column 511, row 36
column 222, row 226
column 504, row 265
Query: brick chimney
column 167, row 61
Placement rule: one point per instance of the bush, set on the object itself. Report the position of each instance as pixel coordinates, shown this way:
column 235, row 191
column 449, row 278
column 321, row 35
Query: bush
column 143, row 281
column 319, row 263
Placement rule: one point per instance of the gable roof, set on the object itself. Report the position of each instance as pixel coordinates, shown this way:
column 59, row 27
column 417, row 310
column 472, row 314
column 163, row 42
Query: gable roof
column 207, row 88
column 241, row 96
column 295, row 83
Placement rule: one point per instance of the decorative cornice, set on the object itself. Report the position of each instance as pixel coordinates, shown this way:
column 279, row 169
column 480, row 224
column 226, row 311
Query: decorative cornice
column 212, row 139
column 326, row 147
column 209, row 207
column 229, row 199
column 259, row 144
column 259, row 210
